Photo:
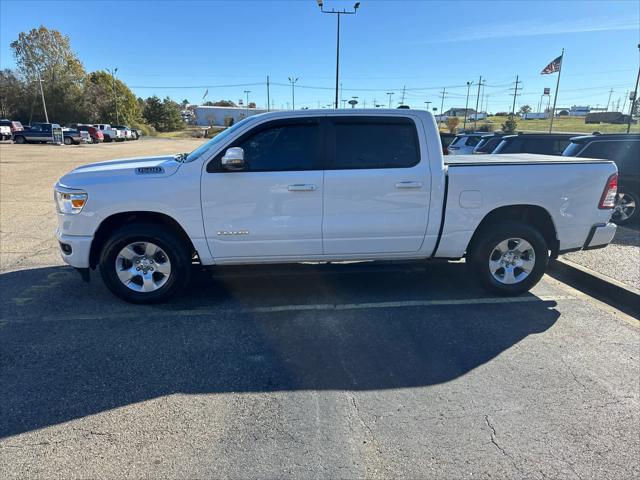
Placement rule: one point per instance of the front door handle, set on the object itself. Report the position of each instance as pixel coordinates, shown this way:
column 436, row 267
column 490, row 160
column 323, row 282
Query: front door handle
column 409, row 184
column 302, row 187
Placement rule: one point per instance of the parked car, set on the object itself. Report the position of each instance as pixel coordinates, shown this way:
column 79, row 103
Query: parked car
column 137, row 133
column 110, row 134
column 541, row 143
column 488, row 143
column 128, row 133
column 446, row 139
column 13, row 125
column 328, row 186
column 5, row 132
column 624, row 150
column 95, row 134
column 73, row 136
column 39, row 133
column 464, row 143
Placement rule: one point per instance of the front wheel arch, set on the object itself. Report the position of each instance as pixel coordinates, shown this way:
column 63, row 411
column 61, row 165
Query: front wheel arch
column 116, row 221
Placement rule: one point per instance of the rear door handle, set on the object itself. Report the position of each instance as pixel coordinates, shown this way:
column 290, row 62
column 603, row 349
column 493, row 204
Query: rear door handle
column 302, row 187
column 409, row 184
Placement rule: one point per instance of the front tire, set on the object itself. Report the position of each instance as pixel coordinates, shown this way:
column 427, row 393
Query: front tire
column 509, row 259
column 19, row 139
column 67, row 141
column 145, row 263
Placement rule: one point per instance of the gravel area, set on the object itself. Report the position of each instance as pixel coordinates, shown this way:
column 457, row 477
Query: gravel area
column 620, row 260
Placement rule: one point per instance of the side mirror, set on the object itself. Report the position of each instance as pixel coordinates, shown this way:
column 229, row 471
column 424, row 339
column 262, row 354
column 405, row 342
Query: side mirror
column 233, row 159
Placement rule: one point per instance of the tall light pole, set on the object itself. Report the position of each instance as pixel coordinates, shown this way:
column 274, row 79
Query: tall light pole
column 635, row 99
column 115, row 96
column 338, row 13
column 389, row 93
column 466, row 107
column 247, row 92
column 293, row 91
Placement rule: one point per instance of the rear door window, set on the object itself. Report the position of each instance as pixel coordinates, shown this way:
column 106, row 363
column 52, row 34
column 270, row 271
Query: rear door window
column 374, row 143
column 472, row 141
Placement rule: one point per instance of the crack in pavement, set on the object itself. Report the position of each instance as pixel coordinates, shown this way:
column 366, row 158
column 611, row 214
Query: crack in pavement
column 494, row 441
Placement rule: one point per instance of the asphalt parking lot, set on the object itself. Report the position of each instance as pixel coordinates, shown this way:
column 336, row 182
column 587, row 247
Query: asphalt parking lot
column 329, row 371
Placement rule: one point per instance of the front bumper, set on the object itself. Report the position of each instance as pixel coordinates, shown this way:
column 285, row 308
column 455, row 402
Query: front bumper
column 600, row 236
column 75, row 249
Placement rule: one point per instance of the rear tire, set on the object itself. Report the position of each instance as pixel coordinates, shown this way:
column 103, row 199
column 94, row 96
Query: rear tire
column 127, row 278
column 19, row 139
column 626, row 209
column 509, row 259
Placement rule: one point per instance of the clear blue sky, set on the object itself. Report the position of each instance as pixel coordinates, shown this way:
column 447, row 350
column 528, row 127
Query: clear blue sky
column 423, row 45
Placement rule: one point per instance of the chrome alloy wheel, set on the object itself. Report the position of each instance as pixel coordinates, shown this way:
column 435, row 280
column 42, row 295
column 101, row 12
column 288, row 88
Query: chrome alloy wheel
column 512, row 260
column 625, row 207
column 143, row 267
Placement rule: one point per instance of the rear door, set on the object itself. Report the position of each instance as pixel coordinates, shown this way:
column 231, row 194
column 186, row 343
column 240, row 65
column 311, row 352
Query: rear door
column 376, row 187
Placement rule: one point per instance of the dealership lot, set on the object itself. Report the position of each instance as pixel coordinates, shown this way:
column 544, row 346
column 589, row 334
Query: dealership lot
column 343, row 371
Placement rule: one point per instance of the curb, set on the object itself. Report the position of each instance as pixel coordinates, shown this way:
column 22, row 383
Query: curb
column 605, row 289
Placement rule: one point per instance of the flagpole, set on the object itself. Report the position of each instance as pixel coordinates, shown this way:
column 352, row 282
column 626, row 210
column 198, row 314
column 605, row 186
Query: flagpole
column 555, row 97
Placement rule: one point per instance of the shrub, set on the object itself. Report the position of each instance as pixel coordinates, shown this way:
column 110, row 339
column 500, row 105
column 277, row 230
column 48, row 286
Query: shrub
column 452, row 124
column 510, row 125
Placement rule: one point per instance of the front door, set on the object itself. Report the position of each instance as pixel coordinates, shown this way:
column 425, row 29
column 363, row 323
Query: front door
column 272, row 208
column 376, row 187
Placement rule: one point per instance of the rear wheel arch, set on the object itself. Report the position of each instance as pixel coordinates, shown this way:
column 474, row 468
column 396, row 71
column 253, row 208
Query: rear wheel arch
column 532, row 215
column 116, row 221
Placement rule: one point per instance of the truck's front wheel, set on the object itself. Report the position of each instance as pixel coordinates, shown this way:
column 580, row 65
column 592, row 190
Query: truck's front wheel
column 145, row 263
column 509, row 259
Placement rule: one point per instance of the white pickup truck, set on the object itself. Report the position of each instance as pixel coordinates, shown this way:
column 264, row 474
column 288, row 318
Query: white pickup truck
column 328, row 186
column 111, row 134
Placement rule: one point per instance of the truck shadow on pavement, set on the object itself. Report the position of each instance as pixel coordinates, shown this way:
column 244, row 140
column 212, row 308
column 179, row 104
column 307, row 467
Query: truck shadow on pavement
column 68, row 349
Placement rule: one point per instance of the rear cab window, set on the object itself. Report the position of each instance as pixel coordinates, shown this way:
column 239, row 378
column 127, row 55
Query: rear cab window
column 372, row 143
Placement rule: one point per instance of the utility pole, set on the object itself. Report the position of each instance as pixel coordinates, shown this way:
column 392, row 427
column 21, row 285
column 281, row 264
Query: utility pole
column 515, row 94
column 635, row 99
column 44, row 105
column 404, row 87
column 443, row 93
column 293, row 91
column 609, row 101
column 466, row 107
column 428, row 105
column 342, row 95
column 338, row 13
column 389, row 93
column 268, row 97
column 475, row 117
column 115, row 96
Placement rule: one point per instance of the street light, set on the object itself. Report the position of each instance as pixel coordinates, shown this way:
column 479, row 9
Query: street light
column 293, row 91
column 115, row 96
column 247, row 92
column 466, row 107
column 389, row 93
column 338, row 13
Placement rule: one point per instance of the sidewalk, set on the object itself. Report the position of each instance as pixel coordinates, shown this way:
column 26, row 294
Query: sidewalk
column 620, row 260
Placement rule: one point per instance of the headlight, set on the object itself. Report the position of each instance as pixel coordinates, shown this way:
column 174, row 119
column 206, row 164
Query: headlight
column 70, row 202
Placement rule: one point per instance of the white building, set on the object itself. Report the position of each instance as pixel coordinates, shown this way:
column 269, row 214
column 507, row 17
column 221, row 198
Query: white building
column 222, row 116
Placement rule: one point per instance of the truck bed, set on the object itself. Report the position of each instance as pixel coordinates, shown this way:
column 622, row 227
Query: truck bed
column 515, row 159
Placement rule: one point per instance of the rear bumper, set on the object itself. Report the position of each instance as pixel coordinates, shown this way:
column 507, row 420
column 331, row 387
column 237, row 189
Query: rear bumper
column 600, row 236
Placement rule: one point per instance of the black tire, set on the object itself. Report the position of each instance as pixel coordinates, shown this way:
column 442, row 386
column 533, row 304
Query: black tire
column 628, row 215
column 19, row 139
column 484, row 245
column 67, row 141
column 107, row 139
column 178, row 253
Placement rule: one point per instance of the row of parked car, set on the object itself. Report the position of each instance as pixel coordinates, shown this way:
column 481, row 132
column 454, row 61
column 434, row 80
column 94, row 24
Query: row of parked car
column 72, row 134
column 623, row 149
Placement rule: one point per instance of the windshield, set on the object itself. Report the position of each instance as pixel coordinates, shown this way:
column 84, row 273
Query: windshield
column 205, row 147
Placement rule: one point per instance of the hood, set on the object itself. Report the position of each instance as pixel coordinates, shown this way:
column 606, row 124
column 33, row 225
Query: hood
column 125, row 169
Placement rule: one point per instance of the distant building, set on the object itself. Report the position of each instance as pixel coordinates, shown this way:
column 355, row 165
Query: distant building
column 459, row 112
column 222, row 116
column 579, row 111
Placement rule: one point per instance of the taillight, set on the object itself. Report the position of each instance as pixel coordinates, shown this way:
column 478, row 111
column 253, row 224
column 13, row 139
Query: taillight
column 608, row 199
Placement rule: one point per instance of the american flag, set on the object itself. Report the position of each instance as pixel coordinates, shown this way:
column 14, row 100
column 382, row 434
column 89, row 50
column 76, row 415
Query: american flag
column 553, row 67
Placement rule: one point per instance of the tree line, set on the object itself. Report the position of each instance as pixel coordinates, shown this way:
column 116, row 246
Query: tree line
column 45, row 58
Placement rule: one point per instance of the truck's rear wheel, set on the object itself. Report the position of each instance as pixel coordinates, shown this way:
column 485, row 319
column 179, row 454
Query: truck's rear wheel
column 509, row 259
column 626, row 209
column 19, row 139
column 145, row 263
